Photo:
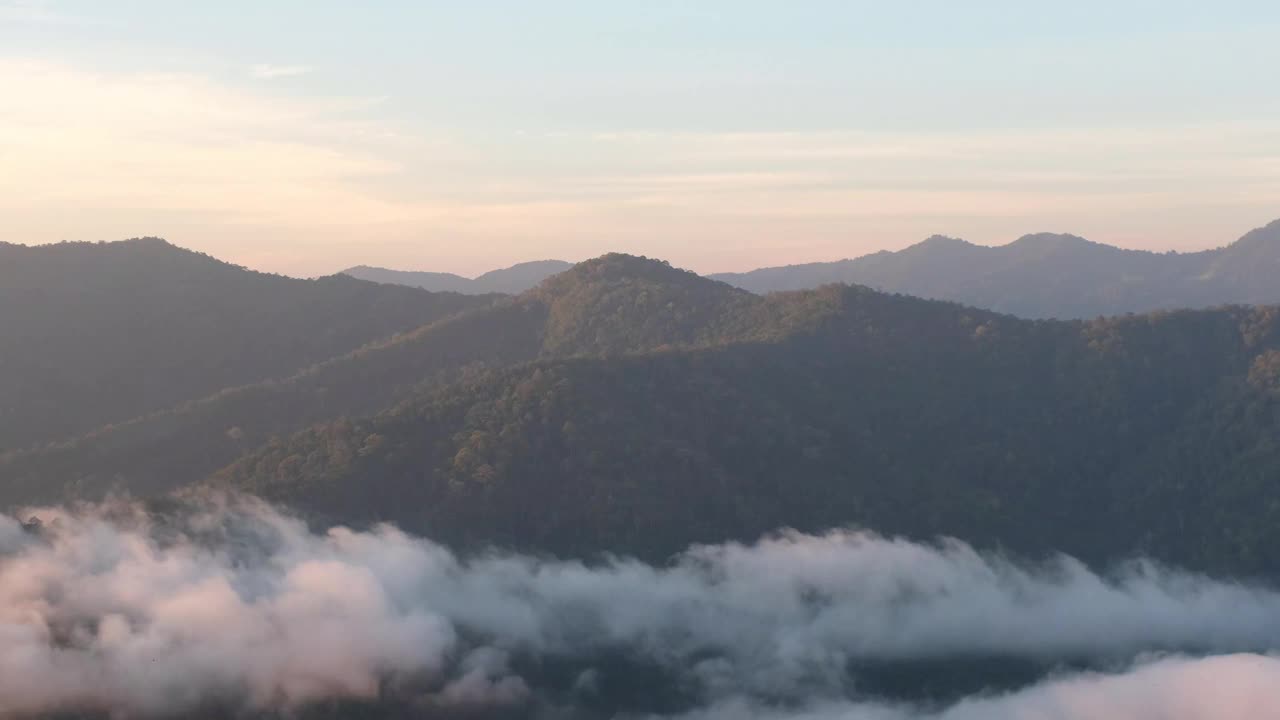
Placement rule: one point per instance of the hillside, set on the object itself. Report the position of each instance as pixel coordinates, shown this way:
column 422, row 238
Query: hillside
column 614, row 304
column 629, row 406
column 508, row 281
column 103, row 332
column 1150, row 434
column 1047, row 275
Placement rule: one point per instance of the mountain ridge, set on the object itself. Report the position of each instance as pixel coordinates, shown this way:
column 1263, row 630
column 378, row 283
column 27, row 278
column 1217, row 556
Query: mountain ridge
column 1037, row 275
column 613, row 305
column 1031, row 426
column 511, row 280
column 629, row 406
column 102, row 332
column 1049, row 275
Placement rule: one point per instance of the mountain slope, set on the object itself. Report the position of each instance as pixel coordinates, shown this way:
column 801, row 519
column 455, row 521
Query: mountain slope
column 519, row 278
column 1100, row 439
column 432, row 281
column 611, row 305
column 631, row 407
column 102, row 332
column 1048, row 275
column 508, row 281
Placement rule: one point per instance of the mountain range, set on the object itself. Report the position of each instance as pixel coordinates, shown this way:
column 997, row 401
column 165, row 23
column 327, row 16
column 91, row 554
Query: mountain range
column 511, row 281
column 1051, row 276
column 628, row 406
column 1043, row 275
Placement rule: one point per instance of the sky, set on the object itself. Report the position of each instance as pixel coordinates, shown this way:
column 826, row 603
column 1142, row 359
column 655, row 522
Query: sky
column 305, row 136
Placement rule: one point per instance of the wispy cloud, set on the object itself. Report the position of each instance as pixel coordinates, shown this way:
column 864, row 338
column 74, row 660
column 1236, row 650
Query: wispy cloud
column 272, row 72
column 1227, row 687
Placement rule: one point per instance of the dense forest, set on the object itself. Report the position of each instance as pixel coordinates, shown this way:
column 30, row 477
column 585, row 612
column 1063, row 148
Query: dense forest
column 1049, row 275
column 95, row 333
column 628, row 406
column 1151, row 434
column 611, row 305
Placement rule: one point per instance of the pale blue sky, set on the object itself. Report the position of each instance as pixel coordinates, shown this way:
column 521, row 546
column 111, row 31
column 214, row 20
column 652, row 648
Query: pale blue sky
column 304, row 136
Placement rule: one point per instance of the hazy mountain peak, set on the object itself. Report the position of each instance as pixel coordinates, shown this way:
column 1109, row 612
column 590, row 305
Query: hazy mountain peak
column 148, row 241
column 1266, row 236
column 358, row 269
column 621, row 267
column 616, row 262
column 943, row 240
column 511, row 281
column 1051, row 241
column 1051, row 275
column 134, row 243
column 144, row 244
column 939, row 244
column 103, row 262
column 521, row 276
column 532, row 266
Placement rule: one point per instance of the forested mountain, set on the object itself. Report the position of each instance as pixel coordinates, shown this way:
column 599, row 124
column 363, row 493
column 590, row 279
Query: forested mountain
column 611, row 305
column 1150, row 434
column 631, row 407
column 1153, row 433
column 508, row 281
column 1048, row 275
column 94, row 333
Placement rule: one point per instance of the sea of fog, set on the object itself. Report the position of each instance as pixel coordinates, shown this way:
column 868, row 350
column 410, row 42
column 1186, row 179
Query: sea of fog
column 229, row 606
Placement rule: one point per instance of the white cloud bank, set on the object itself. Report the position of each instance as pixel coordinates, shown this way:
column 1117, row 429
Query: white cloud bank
column 107, row 608
column 1232, row 687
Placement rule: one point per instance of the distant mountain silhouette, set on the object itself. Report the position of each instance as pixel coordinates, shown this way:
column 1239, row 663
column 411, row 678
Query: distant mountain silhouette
column 518, row 278
column 433, row 281
column 508, row 281
column 94, row 333
column 1048, row 275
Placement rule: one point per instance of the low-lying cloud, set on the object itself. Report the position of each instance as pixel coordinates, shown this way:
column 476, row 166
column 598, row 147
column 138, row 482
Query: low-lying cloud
column 1233, row 687
column 230, row 603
